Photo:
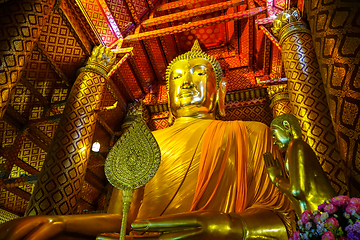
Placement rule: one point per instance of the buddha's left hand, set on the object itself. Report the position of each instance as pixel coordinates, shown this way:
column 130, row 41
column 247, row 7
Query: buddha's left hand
column 194, row 225
column 273, row 168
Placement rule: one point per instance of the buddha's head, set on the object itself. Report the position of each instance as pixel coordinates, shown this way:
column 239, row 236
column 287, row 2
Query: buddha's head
column 284, row 129
column 195, row 85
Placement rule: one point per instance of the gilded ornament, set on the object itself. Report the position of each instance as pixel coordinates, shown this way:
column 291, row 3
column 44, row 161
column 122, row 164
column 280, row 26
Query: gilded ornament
column 277, row 94
column 101, row 61
column 132, row 162
column 288, row 22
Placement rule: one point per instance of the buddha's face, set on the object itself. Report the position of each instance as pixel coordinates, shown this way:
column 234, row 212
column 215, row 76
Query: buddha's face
column 281, row 137
column 192, row 88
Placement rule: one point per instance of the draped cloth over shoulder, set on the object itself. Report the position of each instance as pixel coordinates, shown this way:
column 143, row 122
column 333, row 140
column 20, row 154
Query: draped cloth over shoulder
column 212, row 165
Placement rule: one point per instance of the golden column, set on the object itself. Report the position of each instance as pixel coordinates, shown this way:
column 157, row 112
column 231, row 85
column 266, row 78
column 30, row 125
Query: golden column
column 307, row 94
column 335, row 30
column 21, row 23
column 63, row 172
column 279, row 99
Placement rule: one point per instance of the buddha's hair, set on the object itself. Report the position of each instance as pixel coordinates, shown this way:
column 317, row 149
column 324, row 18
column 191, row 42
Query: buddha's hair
column 294, row 122
column 196, row 52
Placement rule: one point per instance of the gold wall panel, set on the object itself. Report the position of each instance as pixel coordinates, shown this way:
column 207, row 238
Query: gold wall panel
column 335, row 31
column 21, row 24
column 308, row 100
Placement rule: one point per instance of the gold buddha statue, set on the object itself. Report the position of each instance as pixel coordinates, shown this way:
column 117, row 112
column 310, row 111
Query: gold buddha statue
column 305, row 184
column 212, row 181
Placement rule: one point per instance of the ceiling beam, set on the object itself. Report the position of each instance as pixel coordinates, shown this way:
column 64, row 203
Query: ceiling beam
column 270, row 36
column 194, row 25
column 94, row 180
column 137, row 74
column 19, row 192
column 72, row 22
column 123, row 96
column 33, row 90
column 133, row 12
column 191, row 13
column 177, row 4
column 53, row 65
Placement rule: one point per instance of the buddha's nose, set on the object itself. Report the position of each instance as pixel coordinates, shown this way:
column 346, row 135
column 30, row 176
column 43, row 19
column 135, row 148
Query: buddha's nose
column 188, row 83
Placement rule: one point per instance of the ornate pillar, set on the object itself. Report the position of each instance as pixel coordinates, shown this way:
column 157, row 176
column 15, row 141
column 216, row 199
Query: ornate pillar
column 63, row 172
column 21, row 23
column 279, row 99
column 335, row 30
column 307, row 94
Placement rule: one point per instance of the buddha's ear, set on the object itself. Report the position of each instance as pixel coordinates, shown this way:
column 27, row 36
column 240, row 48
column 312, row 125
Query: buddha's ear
column 221, row 93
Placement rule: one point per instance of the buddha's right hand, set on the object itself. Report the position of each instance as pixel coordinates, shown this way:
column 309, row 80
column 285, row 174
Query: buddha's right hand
column 194, row 225
column 32, row 228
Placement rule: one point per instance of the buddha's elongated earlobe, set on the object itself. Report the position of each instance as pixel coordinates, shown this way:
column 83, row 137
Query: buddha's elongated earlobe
column 220, row 96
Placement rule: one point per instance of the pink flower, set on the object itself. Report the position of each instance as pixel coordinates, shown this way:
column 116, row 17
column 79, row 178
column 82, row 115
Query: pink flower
column 330, row 208
column 332, row 223
column 353, row 208
column 317, row 218
column 321, row 206
column 340, row 200
column 305, row 216
column 354, row 200
column 296, row 236
column 328, row 236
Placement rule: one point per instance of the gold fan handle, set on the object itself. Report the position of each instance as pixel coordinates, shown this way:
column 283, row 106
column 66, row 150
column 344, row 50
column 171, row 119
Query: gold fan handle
column 127, row 197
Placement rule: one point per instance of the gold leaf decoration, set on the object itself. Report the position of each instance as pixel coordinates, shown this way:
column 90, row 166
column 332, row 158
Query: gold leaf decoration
column 134, row 159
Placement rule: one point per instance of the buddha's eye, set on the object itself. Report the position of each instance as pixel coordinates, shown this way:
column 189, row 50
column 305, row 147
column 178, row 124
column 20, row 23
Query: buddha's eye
column 201, row 73
column 177, row 76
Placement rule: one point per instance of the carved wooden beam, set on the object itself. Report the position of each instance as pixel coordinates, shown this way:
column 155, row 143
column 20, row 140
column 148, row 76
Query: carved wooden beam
column 192, row 13
column 270, row 36
column 105, row 126
column 194, row 25
column 19, row 192
column 72, row 22
column 53, row 65
column 116, row 94
column 96, row 182
column 137, row 74
column 132, row 12
column 177, row 4
column 33, row 90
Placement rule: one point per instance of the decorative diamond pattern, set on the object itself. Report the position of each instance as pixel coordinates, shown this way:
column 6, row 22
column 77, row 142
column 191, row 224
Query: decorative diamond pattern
column 335, row 30
column 120, row 13
column 57, row 40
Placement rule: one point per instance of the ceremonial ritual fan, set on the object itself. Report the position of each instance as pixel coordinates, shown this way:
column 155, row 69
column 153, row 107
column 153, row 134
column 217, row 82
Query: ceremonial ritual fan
column 132, row 162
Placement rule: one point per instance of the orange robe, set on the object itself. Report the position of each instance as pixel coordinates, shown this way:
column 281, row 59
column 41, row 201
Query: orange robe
column 212, row 165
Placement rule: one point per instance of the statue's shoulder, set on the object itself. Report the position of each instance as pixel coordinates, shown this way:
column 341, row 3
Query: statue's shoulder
column 299, row 146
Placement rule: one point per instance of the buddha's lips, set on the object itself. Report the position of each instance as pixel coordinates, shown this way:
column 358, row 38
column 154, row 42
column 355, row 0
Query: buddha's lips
column 188, row 93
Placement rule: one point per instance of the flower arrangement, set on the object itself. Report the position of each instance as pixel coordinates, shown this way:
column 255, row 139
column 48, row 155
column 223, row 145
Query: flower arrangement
column 337, row 218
